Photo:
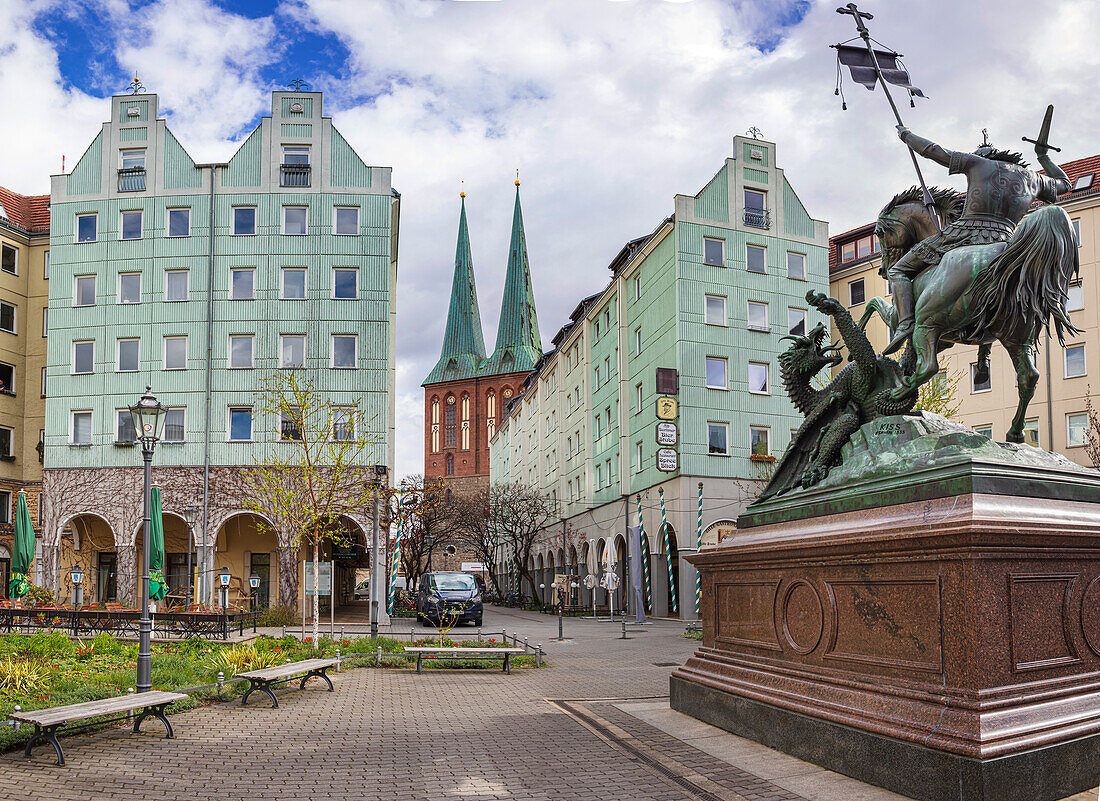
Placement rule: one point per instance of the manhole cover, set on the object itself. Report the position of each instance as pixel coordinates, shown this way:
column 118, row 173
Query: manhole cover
column 667, row 664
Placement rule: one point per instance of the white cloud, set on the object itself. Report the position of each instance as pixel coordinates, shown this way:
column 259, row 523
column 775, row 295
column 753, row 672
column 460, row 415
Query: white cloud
column 608, row 108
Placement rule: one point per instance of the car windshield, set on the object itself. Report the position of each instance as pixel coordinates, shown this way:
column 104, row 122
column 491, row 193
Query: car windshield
column 453, row 582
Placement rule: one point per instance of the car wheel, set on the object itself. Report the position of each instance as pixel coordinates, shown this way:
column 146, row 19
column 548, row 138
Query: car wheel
column 477, row 621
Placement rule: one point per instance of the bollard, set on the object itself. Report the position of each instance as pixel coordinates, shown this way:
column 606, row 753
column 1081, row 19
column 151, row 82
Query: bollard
column 17, row 710
column 130, row 714
column 379, row 662
column 284, row 631
column 524, row 645
column 221, row 681
column 288, row 661
column 538, row 656
column 479, row 633
column 341, row 633
column 624, row 630
column 337, row 660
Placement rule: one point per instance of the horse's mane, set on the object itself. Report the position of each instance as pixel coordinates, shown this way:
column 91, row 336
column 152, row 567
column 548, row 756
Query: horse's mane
column 948, row 202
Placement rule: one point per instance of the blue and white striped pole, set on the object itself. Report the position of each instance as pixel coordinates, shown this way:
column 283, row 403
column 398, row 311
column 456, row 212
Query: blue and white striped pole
column 668, row 555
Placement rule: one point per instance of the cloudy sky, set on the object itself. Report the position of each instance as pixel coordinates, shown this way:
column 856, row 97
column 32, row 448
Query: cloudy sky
column 607, row 107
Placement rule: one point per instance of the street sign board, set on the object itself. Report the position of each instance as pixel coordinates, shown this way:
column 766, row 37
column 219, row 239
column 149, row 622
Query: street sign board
column 324, row 570
column 666, row 434
column 345, row 552
column 666, row 408
column 473, row 567
column 667, row 461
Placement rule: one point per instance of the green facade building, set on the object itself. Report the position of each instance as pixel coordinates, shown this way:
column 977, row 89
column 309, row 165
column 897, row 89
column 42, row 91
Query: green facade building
column 700, row 304
column 200, row 280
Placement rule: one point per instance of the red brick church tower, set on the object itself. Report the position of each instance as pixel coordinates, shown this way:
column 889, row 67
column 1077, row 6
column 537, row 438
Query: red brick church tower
column 464, row 395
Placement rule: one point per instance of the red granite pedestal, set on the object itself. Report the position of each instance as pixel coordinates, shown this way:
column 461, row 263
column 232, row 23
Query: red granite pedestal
column 946, row 648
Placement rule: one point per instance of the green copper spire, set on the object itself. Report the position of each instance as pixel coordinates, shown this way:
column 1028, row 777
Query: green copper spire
column 519, row 346
column 463, row 352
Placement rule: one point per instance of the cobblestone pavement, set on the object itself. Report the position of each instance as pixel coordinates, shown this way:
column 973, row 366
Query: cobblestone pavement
column 595, row 726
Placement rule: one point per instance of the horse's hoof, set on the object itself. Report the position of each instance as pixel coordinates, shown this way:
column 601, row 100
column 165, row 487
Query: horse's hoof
column 1013, row 436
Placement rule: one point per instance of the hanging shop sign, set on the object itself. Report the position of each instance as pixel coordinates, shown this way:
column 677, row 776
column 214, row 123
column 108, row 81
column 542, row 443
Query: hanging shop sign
column 667, row 460
column 666, row 408
column 667, row 434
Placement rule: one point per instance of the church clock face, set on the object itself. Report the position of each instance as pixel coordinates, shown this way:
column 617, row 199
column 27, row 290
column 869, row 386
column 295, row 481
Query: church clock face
column 507, row 393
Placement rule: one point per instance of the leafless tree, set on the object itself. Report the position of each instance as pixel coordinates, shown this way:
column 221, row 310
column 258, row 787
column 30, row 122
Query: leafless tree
column 469, row 515
column 424, row 527
column 518, row 516
column 1092, row 434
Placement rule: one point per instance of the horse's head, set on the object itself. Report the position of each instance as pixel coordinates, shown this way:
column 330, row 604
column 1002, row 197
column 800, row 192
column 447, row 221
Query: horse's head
column 808, row 354
column 905, row 221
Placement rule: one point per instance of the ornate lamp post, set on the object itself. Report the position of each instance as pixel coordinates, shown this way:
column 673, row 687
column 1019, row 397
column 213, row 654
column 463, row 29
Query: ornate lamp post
column 190, row 516
column 223, row 585
column 254, row 583
column 148, row 416
column 77, row 577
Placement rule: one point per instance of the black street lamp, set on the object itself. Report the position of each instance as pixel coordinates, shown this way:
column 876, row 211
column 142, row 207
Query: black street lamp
column 77, row 577
column 148, row 415
column 190, row 516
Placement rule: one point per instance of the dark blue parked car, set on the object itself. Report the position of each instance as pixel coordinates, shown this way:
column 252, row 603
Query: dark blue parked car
column 440, row 594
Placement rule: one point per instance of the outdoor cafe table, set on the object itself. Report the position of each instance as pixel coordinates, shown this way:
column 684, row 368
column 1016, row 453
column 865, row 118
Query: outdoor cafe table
column 92, row 621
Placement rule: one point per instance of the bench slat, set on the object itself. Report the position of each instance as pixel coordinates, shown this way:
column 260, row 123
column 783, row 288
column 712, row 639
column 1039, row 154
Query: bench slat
column 287, row 670
column 91, row 709
column 500, row 651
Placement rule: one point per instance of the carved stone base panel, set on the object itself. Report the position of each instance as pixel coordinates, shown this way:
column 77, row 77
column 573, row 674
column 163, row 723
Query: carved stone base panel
column 967, row 627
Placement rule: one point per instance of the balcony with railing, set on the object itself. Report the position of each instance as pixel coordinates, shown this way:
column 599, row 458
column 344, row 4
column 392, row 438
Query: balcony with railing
column 295, row 175
column 758, row 218
column 131, row 179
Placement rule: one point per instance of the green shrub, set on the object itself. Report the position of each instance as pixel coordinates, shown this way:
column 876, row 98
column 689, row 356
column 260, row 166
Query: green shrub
column 279, row 616
column 107, row 645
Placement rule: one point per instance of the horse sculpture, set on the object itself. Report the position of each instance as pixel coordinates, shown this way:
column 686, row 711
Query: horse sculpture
column 978, row 294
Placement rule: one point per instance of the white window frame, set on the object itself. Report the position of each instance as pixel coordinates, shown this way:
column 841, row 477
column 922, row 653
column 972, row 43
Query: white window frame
column 851, row 302
column 164, row 437
column 11, row 443
column 355, row 272
column 805, row 320
column 706, row 311
column 168, row 222
column 282, row 282
column 1080, row 287
column 767, row 378
column 748, row 316
column 251, row 352
column 76, row 290
column 637, row 287
column 73, row 354
column 984, row 426
column 164, row 354
column 282, row 226
column 14, row 317
column 1085, row 432
column 15, row 250
column 10, row 390
column 638, row 341
column 725, row 430
column 752, row 246
column 44, row 374
column 297, row 149
column 45, row 265
column 124, row 152
column 1065, row 361
column 122, row 225
column 45, row 321
column 973, row 386
column 1076, row 231
column 725, row 369
column 76, row 230
column 766, row 429
column 332, row 351
column 118, row 354
column 336, row 214
column 251, row 423
column 119, row 299
column 722, row 247
column 72, row 427
column 235, row 270
column 801, row 256
column 187, row 280
column 351, row 412
column 118, row 419
column 283, row 337
column 233, row 221
column 638, row 405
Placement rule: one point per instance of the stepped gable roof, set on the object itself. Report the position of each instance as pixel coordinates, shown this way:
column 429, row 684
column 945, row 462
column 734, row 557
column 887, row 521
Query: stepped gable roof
column 31, row 213
column 463, row 353
column 519, row 345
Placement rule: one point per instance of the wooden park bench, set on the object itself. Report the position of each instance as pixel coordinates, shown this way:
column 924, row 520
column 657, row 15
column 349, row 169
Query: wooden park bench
column 264, row 678
column 47, row 722
column 465, row 653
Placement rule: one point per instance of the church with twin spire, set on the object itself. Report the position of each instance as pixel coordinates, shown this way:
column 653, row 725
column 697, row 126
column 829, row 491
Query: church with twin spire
column 465, row 393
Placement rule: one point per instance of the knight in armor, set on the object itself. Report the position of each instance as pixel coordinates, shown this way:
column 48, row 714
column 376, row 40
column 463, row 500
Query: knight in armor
column 999, row 191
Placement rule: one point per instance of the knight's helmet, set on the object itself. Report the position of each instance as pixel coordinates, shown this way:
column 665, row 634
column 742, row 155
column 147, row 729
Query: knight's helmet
column 985, row 147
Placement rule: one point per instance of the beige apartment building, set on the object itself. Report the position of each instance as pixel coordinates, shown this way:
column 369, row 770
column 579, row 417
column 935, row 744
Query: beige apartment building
column 24, row 281
column 1057, row 419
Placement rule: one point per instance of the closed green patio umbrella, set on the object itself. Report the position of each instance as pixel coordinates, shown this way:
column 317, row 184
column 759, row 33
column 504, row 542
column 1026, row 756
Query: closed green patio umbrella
column 158, row 587
column 23, row 553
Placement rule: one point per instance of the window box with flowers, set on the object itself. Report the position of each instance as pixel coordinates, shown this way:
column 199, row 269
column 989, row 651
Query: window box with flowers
column 761, row 457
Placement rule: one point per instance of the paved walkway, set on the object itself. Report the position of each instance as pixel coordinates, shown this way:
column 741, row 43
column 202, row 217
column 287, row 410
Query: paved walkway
column 595, row 726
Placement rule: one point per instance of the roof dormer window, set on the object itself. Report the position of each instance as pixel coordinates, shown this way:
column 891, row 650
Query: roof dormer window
column 1083, row 182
